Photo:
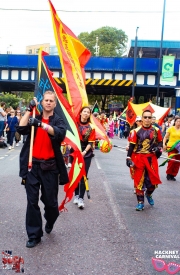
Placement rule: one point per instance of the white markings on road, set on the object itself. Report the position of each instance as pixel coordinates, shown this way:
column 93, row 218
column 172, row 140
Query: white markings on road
column 1, row 157
column 124, row 151
column 97, row 164
column 14, row 157
column 114, row 206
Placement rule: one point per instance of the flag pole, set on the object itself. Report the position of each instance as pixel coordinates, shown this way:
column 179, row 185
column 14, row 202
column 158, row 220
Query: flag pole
column 31, row 143
column 160, row 53
column 94, row 105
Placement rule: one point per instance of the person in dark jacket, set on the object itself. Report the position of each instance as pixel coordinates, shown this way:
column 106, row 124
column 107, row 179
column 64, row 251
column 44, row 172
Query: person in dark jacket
column 47, row 164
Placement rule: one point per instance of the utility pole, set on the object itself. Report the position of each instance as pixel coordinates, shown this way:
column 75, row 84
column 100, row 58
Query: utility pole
column 97, row 47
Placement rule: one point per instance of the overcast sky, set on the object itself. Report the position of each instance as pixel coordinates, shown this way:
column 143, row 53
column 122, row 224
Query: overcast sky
column 21, row 28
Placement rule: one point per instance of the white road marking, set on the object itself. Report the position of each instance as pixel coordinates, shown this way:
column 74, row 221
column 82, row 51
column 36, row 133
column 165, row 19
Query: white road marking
column 97, row 164
column 14, row 157
column 114, row 206
column 1, row 157
column 122, row 150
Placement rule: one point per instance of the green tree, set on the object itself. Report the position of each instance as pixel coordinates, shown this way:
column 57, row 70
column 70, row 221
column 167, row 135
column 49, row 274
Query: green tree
column 112, row 41
column 105, row 100
column 10, row 100
column 26, row 97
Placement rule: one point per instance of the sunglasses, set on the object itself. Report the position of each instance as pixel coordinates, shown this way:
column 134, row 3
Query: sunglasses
column 138, row 120
column 145, row 117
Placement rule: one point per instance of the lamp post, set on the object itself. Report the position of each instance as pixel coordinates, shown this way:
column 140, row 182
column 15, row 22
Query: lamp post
column 135, row 57
column 160, row 53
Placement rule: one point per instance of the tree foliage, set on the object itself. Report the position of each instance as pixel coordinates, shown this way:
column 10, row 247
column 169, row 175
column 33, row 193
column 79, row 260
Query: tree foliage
column 10, row 100
column 112, row 41
column 26, row 97
column 104, row 100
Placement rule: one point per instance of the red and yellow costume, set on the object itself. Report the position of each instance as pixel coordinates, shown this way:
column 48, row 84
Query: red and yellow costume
column 104, row 121
column 145, row 171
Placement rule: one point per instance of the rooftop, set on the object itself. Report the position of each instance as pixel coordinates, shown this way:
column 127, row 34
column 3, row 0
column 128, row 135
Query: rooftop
column 151, row 48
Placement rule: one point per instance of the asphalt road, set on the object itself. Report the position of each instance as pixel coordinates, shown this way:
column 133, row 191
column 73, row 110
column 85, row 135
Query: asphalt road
column 108, row 237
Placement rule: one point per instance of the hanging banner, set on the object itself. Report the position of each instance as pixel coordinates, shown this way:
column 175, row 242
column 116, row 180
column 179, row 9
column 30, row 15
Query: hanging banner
column 168, row 68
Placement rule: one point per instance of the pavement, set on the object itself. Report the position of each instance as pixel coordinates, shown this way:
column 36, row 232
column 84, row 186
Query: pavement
column 108, row 237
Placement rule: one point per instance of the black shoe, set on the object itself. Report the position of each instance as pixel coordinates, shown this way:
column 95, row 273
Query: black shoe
column 170, row 177
column 32, row 242
column 48, row 228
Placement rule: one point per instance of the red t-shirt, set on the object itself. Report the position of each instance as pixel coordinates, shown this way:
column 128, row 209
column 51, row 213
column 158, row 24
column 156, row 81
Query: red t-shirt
column 42, row 148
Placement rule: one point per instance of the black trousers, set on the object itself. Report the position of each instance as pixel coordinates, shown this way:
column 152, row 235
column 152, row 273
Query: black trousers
column 47, row 181
column 81, row 188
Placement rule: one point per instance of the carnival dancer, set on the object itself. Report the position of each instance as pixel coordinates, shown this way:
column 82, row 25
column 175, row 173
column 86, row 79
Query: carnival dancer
column 110, row 127
column 47, row 164
column 172, row 136
column 144, row 149
column 103, row 120
column 87, row 135
column 138, row 123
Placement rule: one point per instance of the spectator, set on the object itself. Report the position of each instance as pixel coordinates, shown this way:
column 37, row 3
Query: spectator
column 121, row 128
column 110, row 127
column 11, row 122
column 2, row 117
column 166, row 124
column 116, row 126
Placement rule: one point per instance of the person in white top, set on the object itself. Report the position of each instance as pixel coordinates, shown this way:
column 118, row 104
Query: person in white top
column 2, row 117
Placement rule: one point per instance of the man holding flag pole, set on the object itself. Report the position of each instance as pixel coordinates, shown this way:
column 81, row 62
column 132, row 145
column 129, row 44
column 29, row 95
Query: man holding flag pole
column 47, row 164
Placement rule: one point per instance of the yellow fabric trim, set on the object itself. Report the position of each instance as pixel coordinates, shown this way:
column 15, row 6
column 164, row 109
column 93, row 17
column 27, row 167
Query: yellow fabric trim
column 140, row 185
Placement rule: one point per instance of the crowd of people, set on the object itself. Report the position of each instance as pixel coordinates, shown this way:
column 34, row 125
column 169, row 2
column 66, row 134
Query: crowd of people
column 113, row 125
column 146, row 141
column 9, row 118
column 51, row 157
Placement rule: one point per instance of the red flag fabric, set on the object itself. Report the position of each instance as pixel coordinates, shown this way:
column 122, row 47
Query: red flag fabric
column 63, row 109
column 73, row 56
column 137, row 109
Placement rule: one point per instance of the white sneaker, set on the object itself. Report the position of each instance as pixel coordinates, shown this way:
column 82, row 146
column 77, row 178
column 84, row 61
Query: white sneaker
column 76, row 199
column 81, row 203
column 69, row 165
column 10, row 147
column 17, row 144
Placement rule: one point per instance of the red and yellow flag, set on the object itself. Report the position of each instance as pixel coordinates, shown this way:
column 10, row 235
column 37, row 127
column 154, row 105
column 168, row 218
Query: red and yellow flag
column 73, row 56
column 45, row 81
column 135, row 110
